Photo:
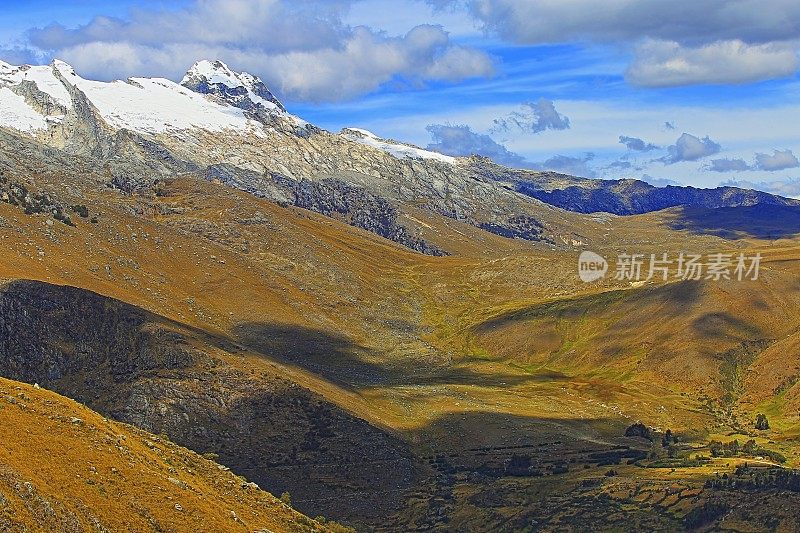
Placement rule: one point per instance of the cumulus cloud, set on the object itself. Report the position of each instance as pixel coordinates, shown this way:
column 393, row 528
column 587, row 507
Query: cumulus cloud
column 789, row 187
column 669, row 64
column 680, row 42
column 636, row 144
column 779, row 160
column 728, row 165
column 684, row 21
column 576, row 166
column 533, row 117
column 19, row 56
column 690, row 148
column 460, row 140
column 301, row 49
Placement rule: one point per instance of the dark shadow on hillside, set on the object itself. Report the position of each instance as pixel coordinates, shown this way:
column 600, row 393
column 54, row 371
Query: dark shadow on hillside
column 155, row 374
column 338, row 359
column 511, row 461
column 51, row 331
column 759, row 221
column 680, row 295
column 724, row 326
column 503, row 432
column 161, row 376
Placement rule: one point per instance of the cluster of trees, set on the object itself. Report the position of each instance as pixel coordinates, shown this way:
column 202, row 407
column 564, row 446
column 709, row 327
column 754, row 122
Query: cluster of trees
column 749, row 449
column 639, row 430
column 758, row 478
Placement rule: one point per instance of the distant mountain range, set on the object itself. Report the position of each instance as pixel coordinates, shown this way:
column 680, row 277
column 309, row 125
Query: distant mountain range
column 227, row 126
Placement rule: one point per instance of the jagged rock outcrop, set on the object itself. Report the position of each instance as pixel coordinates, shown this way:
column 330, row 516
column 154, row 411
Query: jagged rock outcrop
column 330, row 197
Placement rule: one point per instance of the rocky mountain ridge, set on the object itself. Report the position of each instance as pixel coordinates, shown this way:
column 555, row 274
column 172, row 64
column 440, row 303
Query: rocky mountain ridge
column 142, row 130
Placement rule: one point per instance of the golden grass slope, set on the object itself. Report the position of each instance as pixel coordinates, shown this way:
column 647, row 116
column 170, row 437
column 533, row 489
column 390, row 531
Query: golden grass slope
column 65, row 468
column 502, row 327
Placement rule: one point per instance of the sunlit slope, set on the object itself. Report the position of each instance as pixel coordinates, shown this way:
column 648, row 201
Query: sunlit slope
column 63, row 467
column 497, row 345
column 353, row 309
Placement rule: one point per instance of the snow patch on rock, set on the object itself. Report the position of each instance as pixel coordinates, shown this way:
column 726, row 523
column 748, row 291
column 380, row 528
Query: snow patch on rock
column 158, row 105
column 43, row 76
column 15, row 113
column 396, row 149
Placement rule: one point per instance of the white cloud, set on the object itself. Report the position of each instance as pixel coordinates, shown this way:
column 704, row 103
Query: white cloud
column 533, row 117
column 728, row 165
column 667, row 63
column 575, row 166
column 788, row 187
column 18, row 55
column 636, row 144
column 460, row 140
column 779, row 160
column 304, row 50
column 685, row 21
column 690, row 148
column 677, row 43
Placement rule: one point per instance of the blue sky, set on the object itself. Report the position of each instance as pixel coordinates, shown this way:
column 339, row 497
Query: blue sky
column 697, row 93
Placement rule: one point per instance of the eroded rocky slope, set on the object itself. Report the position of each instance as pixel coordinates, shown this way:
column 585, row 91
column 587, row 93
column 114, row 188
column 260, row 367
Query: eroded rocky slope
column 169, row 379
column 63, row 467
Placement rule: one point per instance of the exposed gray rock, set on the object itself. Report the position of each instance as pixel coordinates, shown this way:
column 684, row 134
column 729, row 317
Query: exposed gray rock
column 205, row 77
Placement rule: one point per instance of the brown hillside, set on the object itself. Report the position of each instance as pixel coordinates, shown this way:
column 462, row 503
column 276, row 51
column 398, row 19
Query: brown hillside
column 65, row 468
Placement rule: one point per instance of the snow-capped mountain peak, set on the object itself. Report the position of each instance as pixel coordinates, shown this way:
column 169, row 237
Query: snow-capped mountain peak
column 64, row 68
column 54, row 102
column 239, row 89
column 144, row 105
